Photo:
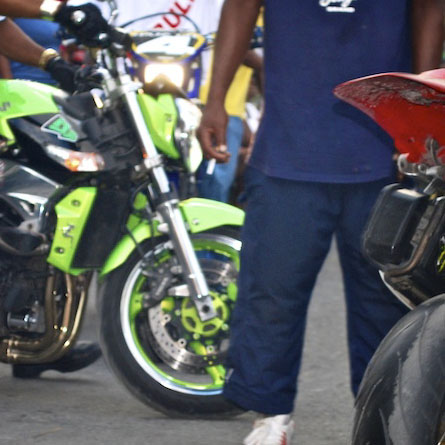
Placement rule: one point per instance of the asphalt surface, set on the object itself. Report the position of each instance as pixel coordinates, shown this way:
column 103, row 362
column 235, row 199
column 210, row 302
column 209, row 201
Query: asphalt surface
column 92, row 407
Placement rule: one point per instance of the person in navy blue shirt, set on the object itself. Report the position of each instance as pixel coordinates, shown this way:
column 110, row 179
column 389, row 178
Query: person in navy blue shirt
column 315, row 172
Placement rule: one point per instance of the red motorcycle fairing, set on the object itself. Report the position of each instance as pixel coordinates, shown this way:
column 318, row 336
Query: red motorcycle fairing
column 410, row 107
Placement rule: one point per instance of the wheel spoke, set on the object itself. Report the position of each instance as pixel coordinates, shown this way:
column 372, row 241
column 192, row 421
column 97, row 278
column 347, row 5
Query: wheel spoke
column 217, row 373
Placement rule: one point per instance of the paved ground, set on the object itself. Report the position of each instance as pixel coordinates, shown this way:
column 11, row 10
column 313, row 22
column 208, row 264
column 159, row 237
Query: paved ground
column 91, row 407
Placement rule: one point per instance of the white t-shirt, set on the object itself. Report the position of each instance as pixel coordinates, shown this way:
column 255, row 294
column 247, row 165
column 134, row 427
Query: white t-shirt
column 204, row 13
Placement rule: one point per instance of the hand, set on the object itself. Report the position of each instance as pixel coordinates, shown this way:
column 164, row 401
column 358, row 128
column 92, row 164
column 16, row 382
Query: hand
column 212, row 133
column 85, row 22
column 87, row 78
column 63, row 72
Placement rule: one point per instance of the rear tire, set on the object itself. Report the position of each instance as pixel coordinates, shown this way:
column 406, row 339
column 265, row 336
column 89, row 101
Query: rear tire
column 401, row 400
column 157, row 351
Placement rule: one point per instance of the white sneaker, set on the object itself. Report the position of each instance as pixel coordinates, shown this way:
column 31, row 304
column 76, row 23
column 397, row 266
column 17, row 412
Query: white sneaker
column 273, row 430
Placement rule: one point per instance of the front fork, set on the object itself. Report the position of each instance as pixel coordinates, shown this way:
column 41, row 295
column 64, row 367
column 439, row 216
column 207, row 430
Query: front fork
column 169, row 210
column 185, row 252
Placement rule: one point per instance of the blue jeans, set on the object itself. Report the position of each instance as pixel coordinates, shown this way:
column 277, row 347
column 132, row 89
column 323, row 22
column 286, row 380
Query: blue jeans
column 287, row 234
column 217, row 186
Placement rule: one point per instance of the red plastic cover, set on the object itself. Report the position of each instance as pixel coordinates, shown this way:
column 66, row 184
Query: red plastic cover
column 411, row 108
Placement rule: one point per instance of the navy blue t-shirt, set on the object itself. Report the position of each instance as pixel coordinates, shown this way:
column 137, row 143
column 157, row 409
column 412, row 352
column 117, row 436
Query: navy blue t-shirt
column 310, row 47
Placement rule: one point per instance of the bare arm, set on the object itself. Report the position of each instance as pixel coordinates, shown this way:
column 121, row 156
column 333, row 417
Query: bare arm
column 20, row 8
column 16, row 45
column 253, row 60
column 428, row 34
column 238, row 19
column 5, row 68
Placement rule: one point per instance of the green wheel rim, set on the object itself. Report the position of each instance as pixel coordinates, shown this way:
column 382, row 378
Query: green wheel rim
column 224, row 248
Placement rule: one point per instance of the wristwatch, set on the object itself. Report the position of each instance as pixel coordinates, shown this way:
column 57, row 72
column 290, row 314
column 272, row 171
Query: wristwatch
column 49, row 8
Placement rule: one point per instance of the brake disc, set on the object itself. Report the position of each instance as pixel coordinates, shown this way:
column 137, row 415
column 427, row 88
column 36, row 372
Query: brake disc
column 188, row 349
column 175, row 352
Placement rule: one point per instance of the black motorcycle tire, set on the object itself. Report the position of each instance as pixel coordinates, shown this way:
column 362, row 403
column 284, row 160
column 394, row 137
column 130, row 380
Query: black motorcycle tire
column 401, row 400
column 123, row 363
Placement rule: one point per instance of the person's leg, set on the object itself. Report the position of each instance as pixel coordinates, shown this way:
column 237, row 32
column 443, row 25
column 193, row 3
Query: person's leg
column 217, row 185
column 286, row 237
column 371, row 308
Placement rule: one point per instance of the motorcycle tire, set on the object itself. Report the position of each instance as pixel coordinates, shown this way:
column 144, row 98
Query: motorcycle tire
column 163, row 353
column 401, row 400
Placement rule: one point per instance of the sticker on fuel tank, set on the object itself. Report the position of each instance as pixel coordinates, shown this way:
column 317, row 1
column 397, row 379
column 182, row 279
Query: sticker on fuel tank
column 61, row 128
column 5, row 106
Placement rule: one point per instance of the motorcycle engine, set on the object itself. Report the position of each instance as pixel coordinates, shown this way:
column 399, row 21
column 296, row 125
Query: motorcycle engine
column 22, row 289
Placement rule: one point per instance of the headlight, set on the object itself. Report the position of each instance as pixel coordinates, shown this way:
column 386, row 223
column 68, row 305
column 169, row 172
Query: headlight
column 75, row 161
column 174, row 72
column 189, row 118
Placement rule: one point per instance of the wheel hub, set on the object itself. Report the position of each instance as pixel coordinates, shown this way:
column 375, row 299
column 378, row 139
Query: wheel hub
column 192, row 323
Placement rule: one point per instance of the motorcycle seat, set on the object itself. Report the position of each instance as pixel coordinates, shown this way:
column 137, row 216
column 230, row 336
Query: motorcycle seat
column 433, row 78
column 410, row 107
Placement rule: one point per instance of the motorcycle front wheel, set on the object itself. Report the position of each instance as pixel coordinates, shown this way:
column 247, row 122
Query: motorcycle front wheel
column 401, row 400
column 157, row 345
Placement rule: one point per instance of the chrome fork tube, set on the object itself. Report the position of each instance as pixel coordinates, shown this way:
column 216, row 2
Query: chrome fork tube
column 187, row 258
column 148, row 147
column 171, row 215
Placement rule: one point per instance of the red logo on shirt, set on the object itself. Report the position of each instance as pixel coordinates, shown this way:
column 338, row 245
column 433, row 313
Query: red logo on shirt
column 174, row 20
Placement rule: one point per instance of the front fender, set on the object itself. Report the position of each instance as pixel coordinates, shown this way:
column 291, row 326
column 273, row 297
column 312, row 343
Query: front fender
column 205, row 214
column 200, row 215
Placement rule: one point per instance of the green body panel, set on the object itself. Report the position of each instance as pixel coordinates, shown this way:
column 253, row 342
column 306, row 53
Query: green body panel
column 72, row 215
column 161, row 117
column 204, row 214
column 195, row 157
column 126, row 245
column 139, row 203
column 23, row 98
column 200, row 214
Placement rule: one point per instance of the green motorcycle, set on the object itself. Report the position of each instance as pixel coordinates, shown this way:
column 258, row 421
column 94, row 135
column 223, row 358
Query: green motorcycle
column 85, row 190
